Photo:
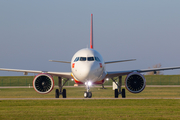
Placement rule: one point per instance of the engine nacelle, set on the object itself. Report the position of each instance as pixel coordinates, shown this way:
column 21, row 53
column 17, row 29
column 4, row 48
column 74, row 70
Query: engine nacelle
column 135, row 82
column 43, row 83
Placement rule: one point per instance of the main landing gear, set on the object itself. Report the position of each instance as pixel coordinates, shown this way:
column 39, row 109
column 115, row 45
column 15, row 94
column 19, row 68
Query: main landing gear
column 87, row 94
column 60, row 91
column 118, row 91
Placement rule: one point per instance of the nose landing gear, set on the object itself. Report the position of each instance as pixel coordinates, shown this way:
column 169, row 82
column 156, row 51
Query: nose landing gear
column 87, row 94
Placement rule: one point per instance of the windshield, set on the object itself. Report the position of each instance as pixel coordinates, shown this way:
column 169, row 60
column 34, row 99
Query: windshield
column 87, row 58
column 82, row 58
column 90, row 58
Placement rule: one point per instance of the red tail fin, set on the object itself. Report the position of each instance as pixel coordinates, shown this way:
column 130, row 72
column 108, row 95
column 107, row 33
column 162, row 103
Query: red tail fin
column 91, row 33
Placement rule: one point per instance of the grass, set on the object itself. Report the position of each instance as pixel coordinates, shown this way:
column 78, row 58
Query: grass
column 90, row 109
column 93, row 109
column 77, row 92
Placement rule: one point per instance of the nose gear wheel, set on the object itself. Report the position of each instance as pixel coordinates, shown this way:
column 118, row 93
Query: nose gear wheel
column 87, row 94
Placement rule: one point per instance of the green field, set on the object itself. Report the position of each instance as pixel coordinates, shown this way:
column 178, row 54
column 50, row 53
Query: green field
column 90, row 109
column 159, row 103
column 153, row 107
column 77, row 92
column 150, row 80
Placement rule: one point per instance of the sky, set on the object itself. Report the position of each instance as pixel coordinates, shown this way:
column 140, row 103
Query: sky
column 34, row 32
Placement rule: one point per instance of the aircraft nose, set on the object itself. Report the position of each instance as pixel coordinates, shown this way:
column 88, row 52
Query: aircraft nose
column 85, row 72
column 88, row 72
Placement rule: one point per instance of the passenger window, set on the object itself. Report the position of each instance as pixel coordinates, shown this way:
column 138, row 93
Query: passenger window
column 90, row 58
column 82, row 58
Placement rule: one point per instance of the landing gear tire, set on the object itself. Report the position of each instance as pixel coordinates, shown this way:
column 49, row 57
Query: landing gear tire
column 85, row 94
column 116, row 93
column 123, row 93
column 64, row 93
column 57, row 93
column 89, row 94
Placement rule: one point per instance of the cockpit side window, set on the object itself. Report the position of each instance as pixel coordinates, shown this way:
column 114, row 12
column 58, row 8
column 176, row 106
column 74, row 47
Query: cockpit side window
column 77, row 59
column 97, row 59
column 90, row 58
column 82, row 58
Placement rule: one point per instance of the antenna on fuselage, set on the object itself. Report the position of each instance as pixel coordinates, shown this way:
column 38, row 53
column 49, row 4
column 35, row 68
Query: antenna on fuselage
column 91, row 32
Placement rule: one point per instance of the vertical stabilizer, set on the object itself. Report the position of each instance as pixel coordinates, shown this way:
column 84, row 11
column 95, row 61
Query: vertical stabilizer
column 91, row 33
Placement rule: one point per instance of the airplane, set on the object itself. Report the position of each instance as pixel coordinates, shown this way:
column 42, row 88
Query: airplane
column 88, row 68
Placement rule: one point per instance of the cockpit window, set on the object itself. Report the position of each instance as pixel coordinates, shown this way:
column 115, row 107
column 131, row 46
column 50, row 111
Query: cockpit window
column 77, row 59
column 82, row 58
column 90, row 58
column 97, row 59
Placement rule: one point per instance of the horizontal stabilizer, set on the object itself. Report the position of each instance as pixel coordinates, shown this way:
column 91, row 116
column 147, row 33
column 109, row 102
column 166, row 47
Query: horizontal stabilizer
column 59, row 61
column 119, row 61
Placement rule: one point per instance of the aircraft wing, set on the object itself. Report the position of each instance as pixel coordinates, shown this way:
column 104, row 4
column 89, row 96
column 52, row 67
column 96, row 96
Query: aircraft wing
column 121, row 73
column 60, row 74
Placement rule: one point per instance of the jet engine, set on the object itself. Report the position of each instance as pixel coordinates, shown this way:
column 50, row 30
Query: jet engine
column 135, row 82
column 43, row 83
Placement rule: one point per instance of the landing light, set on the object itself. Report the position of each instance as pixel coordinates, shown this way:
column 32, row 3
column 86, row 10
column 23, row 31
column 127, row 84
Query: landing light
column 72, row 79
column 89, row 83
column 107, row 79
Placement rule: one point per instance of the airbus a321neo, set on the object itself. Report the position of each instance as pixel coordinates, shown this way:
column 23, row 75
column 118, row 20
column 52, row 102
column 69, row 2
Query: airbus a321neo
column 88, row 68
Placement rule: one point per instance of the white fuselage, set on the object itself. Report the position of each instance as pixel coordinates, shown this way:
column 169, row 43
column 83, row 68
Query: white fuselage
column 87, row 65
